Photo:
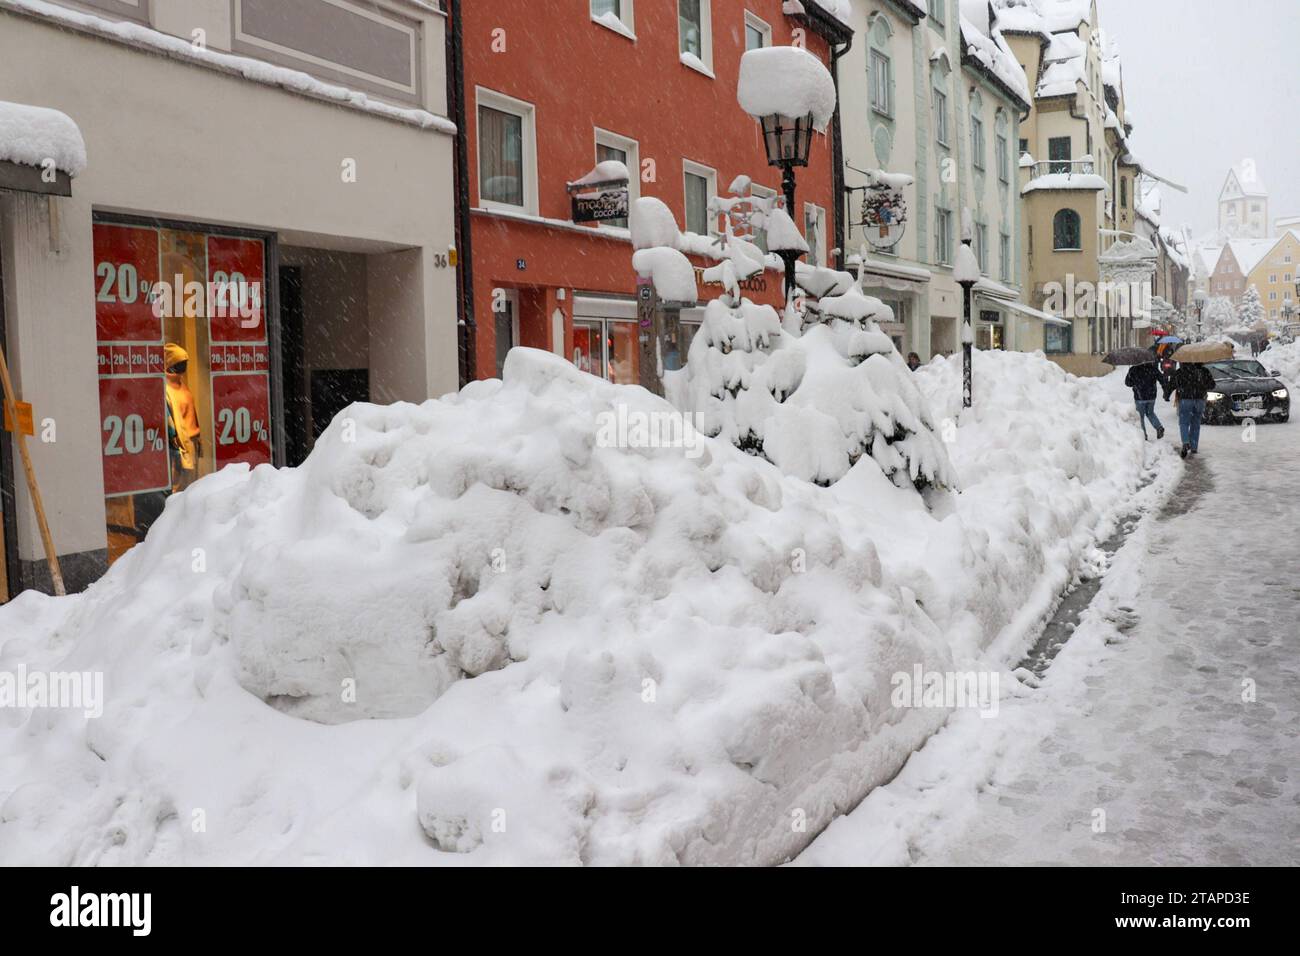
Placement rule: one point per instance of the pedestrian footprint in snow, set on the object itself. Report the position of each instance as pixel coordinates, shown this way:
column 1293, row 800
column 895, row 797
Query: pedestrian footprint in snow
column 1144, row 379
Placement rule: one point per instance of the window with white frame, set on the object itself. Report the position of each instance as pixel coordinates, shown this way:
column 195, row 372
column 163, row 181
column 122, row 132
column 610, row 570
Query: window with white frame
column 695, row 34
column 700, row 184
column 1004, row 160
column 814, row 233
column 611, row 146
column 507, row 152
column 943, row 235
column 1004, row 257
column 940, row 103
column 758, row 227
column 758, row 33
column 615, row 14
column 881, row 81
column 982, row 247
column 977, row 141
column 935, row 13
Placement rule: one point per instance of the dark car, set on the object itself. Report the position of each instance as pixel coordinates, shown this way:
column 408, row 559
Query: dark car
column 1245, row 389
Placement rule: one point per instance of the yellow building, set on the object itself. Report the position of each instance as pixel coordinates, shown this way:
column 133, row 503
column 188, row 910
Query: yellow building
column 1275, row 278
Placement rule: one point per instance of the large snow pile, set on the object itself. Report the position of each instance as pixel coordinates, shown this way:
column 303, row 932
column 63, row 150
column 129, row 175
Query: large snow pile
column 34, row 135
column 1283, row 359
column 472, row 631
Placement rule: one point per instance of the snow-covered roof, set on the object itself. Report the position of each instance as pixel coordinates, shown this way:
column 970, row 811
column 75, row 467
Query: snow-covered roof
column 257, row 71
column 1065, row 181
column 992, row 53
column 1020, row 16
column 34, row 136
column 1248, row 179
column 1062, row 78
column 1064, row 46
column 1249, row 253
column 1065, row 14
column 786, row 80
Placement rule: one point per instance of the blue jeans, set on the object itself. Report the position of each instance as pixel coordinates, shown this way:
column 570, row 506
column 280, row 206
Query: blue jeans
column 1147, row 413
column 1190, row 412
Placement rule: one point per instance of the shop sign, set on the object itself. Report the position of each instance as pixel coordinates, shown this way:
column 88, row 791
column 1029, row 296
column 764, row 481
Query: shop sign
column 756, row 283
column 884, row 216
column 601, row 206
column 241, row 418
column 133, row 433
column 126, row 271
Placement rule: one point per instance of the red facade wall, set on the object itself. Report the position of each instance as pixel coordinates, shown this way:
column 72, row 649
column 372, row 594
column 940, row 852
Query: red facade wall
column 579, row 75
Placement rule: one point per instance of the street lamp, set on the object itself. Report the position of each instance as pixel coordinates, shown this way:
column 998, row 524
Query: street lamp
column 1200, row 299
column 787, row 140
column 966, row 270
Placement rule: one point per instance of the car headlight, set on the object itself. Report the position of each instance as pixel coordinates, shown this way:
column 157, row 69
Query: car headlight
column 1213, row 396
column 1280, row 393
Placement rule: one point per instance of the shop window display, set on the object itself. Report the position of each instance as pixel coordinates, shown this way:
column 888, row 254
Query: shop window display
column 184, row 365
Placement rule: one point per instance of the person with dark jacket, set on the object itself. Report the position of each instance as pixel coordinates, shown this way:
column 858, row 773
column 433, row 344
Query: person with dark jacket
column 1191, row 381
column 1143, row 379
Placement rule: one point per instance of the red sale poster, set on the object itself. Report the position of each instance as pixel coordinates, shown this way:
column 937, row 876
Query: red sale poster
column 236, row 282
column 133, row 431
column 241, row 416
column 126, row 269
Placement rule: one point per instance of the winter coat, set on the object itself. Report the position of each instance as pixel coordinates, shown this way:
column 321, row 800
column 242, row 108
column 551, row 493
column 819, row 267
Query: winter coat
column 1191, row 381
column 1143, row 379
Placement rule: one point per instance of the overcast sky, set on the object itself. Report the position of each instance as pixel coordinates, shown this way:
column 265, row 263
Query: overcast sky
column 1209, row 83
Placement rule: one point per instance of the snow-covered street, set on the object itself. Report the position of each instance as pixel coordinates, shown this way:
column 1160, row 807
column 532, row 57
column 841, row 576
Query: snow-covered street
column 1170, row 734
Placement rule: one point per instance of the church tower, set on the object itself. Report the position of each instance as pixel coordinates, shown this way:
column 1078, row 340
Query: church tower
column 1243, row 204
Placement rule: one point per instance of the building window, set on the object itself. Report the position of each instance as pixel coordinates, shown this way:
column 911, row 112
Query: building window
column 757, row 228
column 1067, row 231
column 977, row 141
column 611, row 146
column 1004, row 160
column 701, row 186
column 507, row 152
column 881, row 71
column 1058, row 339
column 1273, row 277
column 1272, row 297
column 1024, row 146
column 694, row 33
column 1123, row 193
column 1058, row 151
column 943, row 235
column 941, row 117
column 814, row 233
column 936, row 13
column 757, row 32
column 1004, row 257
column 615, row 14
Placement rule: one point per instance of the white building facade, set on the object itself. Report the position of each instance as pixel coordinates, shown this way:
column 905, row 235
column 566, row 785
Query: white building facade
column 240, row 206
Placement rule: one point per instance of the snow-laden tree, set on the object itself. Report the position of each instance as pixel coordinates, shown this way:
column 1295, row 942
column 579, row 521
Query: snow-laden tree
column 1251, row 310
column 1219, row 315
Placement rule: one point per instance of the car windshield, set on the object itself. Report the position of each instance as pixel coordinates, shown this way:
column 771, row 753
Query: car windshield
column 1241, row 368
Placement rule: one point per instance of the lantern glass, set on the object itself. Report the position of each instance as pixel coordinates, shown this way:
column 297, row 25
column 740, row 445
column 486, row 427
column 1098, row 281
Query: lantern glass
column 787, row 139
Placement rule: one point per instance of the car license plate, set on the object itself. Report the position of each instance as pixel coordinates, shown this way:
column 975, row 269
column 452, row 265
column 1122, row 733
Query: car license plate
column 1250, row 406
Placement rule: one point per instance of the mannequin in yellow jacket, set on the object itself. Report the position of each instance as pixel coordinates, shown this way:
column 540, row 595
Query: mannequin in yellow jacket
column 182, row 419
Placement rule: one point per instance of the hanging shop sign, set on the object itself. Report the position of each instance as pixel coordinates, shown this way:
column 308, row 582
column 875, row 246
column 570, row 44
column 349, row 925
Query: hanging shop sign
column 884, row 216
column 756, row 283
column 600, row 197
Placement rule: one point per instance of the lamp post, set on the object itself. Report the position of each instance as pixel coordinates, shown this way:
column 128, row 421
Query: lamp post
column 787, row 140
column 1200, row 299
column 966, row 270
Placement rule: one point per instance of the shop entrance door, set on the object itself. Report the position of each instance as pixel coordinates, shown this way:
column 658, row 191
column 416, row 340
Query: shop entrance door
column 506, row 312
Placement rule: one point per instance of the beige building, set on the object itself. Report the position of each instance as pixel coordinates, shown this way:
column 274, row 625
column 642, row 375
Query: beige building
column 268, row 189
column 933, row 92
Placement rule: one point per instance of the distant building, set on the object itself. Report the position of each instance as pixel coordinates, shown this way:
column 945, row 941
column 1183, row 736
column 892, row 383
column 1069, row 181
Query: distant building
column 1243, row 203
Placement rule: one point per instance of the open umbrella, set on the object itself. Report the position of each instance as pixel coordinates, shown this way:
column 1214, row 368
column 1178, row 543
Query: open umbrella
column 1198, row 353
column 1167, row 339
column 1130, row 356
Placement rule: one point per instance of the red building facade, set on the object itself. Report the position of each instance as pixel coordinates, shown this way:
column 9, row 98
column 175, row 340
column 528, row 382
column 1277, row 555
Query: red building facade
column 550, row 89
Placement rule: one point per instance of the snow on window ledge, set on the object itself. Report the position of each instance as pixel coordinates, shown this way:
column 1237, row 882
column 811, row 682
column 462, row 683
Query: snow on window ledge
column 696, row 64
column 611, row 21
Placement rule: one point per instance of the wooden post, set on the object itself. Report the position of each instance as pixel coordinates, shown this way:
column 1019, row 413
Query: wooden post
column 11, row 403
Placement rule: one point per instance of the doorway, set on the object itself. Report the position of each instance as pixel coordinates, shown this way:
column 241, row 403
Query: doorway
column 506, row 315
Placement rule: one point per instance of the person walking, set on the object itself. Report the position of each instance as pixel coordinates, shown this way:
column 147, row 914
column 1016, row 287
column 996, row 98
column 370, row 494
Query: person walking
column 1190, row 383
column 913, row 361
column 1144, row 379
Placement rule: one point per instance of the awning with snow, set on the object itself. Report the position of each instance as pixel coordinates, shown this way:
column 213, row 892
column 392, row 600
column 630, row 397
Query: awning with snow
column 41, row 150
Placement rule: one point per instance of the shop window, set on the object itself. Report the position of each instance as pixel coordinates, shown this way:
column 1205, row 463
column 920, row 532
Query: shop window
column 183, row 364
column 507, row 152
column 611, row 146
column 607, row 347
column 1058, row 339
column 1066, row 231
